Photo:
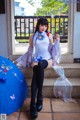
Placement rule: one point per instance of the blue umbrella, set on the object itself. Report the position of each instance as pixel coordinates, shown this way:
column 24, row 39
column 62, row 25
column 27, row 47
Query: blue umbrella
column 13, row 87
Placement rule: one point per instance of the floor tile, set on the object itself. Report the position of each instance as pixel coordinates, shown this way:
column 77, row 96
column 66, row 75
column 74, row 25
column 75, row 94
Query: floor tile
column 66, row 116
column 13, row 116
column 24, row 116
column 44, row 116
column 41, row 116
column 26, row 105
column 46, row 105
column 61, row 106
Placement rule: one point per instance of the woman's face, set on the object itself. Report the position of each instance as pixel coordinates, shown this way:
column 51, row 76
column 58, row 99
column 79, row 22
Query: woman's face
column 42, row 28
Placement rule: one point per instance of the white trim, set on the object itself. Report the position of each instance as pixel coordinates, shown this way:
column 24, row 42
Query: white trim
column 10, row 25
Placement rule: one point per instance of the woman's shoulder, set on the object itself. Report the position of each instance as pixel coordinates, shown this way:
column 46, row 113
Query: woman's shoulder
column 50, row 37
column 49, row 34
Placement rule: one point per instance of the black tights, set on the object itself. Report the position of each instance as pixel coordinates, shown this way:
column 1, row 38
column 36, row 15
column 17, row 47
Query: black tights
column 37, row 80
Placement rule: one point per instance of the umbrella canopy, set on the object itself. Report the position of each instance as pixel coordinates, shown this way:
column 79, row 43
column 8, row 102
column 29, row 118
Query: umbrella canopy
column 13, row 87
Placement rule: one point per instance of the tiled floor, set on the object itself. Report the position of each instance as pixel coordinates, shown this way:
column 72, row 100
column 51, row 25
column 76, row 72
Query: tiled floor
column 53, row 109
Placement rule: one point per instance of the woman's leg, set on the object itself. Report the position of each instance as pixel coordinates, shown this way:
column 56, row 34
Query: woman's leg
column 33, row 109
column 34, row 84
column 41, row 66
column 50, row 63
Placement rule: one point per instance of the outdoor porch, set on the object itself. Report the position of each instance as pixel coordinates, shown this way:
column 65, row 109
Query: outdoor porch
column 53, row 109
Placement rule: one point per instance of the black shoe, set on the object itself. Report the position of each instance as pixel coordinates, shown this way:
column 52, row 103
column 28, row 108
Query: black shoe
column 33, row 111
column 39, row 104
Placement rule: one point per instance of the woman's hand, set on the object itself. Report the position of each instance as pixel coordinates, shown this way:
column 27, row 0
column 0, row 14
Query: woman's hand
column 57, row 37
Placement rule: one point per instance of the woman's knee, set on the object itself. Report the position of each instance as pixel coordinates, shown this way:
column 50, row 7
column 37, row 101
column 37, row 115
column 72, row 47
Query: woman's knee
column 43, row 63
column 35, row 68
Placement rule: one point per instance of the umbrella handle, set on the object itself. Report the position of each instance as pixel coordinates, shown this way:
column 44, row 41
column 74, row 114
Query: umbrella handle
column 2, row 80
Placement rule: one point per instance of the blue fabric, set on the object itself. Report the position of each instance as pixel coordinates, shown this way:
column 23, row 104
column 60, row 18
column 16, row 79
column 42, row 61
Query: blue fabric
column 13, row 87
column 2, row 80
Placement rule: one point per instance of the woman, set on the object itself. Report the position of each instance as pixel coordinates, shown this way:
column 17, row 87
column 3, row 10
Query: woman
column 40, row 55
column 41, row 60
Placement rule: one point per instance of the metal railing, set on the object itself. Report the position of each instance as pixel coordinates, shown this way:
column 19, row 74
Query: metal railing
column 25, row 26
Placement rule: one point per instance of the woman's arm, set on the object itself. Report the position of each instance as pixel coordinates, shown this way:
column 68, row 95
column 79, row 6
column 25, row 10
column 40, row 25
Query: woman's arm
column 31, row 41
column 51, row 38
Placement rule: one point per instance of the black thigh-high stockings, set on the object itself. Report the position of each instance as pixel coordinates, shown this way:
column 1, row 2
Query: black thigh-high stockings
column 37, row 80
column 34, row 84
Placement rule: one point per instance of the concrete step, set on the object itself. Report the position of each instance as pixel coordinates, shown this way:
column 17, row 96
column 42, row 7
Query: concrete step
column 65, row 58
column 49, row 85
column 71, row 70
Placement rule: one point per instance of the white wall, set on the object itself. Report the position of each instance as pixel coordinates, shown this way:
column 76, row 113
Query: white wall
column 7, row 38
column 76, row 44
column 3, row 36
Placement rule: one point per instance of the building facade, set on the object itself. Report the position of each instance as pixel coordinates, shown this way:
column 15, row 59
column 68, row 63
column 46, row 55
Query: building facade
column 19, row 10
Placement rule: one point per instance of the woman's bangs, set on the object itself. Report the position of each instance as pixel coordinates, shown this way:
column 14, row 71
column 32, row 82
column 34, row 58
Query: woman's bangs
column 44, row 22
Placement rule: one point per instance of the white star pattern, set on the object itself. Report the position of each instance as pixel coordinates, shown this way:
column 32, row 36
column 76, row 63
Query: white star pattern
column 12, row 97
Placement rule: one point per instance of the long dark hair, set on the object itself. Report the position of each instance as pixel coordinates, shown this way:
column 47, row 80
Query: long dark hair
column 41, row 21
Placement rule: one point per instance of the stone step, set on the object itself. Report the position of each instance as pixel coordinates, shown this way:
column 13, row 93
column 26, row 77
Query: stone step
column 49, row 85
column 65, row 58
column 71, row 70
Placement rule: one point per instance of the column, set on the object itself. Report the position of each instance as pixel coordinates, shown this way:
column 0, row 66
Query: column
column 70, row 27
column 10, row 26
column 76, row 35
column 3, row 30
